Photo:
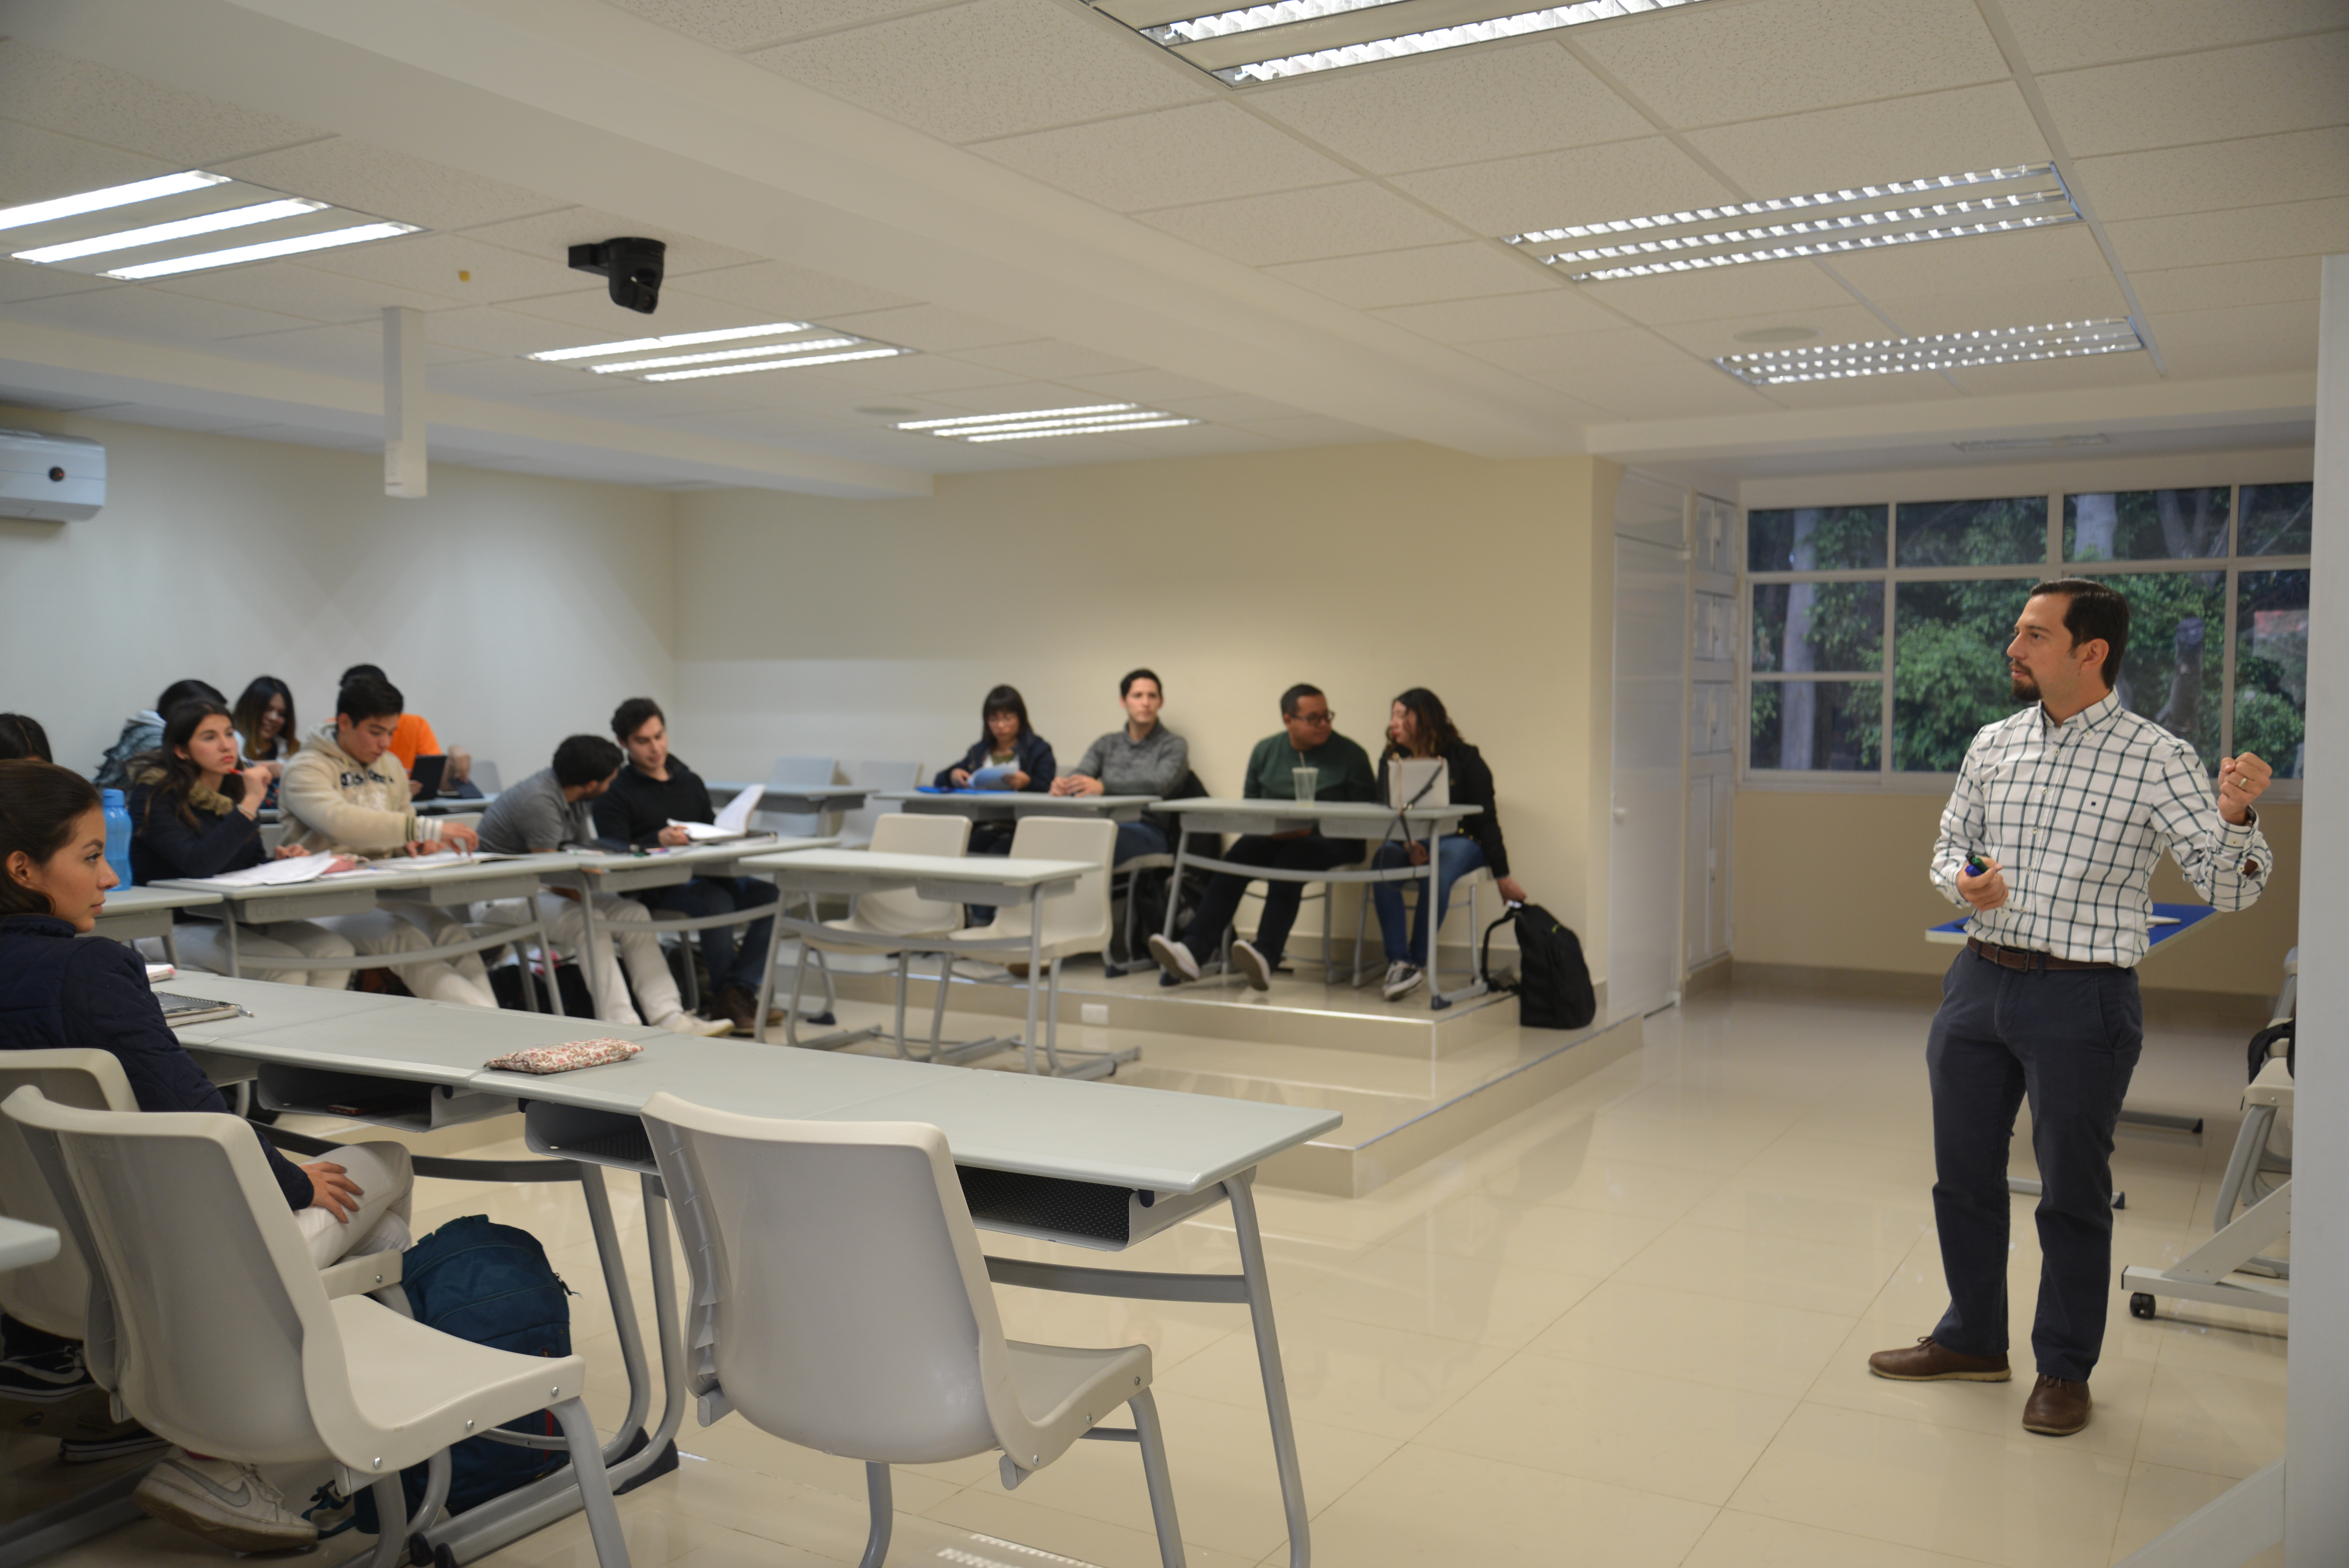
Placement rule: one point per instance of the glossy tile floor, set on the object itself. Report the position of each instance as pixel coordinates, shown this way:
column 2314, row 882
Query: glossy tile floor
column 1627, row 1328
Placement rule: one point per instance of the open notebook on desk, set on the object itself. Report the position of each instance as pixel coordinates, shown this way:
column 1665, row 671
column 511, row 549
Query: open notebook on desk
column 733, row 823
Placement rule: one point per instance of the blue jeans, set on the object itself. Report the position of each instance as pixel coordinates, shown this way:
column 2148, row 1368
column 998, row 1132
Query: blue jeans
column 1136, row 840
column 729, row 965
column 1455, row 856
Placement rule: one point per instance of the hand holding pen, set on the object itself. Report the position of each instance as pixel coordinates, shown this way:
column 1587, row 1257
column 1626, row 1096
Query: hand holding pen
column 1981, row 883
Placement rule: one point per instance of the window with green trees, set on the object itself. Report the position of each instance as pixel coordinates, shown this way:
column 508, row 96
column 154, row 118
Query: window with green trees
column 1876, row 635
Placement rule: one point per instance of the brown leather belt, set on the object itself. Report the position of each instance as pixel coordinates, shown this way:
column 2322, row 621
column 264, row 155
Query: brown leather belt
column 2027, row 958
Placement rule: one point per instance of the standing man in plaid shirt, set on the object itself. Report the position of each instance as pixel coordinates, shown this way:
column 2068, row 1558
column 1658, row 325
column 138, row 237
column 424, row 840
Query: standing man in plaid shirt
column 2068, row 806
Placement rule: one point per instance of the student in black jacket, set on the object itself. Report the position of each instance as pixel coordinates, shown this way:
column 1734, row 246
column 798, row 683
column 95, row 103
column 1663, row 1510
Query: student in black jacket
column 1006, row 740
column 193, row 814
column 653, row 790
column 1418, row 727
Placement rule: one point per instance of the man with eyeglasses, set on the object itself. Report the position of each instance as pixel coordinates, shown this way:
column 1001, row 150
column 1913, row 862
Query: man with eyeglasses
column 1341, row 770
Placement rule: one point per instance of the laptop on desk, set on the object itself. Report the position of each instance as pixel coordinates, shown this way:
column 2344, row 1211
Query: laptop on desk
column 1411, row 781
column 427, row 775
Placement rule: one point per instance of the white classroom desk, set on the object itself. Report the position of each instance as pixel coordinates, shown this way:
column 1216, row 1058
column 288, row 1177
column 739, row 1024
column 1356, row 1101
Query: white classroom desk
column 24, row 1243
column 796, row 800
column 1010, row 805
column 1088, row 1165
column 1366, row 820
column 131, row 912
column 947, row 879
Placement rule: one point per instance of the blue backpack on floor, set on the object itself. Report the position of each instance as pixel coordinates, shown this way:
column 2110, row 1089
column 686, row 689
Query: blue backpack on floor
column 490, row 1283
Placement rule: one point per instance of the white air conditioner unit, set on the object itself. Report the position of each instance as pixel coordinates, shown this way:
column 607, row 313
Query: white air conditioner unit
column 56, row 479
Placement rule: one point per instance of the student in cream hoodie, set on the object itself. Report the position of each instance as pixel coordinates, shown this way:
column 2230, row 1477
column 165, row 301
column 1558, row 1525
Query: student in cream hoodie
column 338, row 795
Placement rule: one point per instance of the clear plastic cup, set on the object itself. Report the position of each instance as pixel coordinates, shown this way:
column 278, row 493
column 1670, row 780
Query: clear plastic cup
column 1305, row 780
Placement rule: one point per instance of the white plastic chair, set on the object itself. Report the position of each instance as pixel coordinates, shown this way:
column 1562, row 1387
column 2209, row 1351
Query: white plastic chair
column 216, row 1331
column 801, row 772
column 1075, row 923
column 856, row 827
column 899, row 913
column 841, row 1302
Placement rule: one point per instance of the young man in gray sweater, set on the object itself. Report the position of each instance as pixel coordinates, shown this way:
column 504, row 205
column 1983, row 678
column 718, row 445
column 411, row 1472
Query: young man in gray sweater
column 1145, row 758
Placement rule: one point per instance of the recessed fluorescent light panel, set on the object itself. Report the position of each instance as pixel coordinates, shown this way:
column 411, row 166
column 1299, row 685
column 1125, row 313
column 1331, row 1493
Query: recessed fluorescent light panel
column 1824, row 223
column 777, row 345
column 160, row 228
column 1302, row 37
column 1093, row 420
column 1942, row 351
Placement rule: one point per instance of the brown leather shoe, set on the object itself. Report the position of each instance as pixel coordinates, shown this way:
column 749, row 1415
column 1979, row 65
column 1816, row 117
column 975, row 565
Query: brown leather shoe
column 739, row 1004
column 2057, row 1407
column 1926, row 1362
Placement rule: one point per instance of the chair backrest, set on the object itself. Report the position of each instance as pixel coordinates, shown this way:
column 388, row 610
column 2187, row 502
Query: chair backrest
column 222, row 1333
column 856, row 827
column 840, row 1297
column 1075, row 922
column 52, row 1296
column 902, row 910
column 801, row 771
column 485, row 776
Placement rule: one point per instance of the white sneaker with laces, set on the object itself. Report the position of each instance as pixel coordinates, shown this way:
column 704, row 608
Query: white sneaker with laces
column 693, row 1024
column 1175, row 957
column 225, row 1502
column 1251, row 963
column 1403, row 979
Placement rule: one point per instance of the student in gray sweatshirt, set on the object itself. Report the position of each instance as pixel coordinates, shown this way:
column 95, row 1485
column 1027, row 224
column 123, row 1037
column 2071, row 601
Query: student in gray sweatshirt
column 1145, row 758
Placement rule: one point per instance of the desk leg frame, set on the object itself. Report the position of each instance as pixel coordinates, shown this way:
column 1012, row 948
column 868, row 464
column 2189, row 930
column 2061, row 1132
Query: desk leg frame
column 1252, row 1286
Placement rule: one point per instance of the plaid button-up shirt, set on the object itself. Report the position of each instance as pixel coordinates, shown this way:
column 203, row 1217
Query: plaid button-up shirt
column 2078, row 813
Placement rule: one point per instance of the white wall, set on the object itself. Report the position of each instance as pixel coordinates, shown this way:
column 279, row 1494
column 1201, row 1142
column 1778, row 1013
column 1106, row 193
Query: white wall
column 510, row 611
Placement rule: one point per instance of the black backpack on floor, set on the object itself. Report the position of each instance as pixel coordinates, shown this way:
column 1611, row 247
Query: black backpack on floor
column 1553, row 989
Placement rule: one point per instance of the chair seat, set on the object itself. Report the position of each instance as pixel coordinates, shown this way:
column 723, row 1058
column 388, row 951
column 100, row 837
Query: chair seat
column 864, row 927
column 2272, row 1087
column 1070, row 948
column 1147, row 863
column 421, row 1387
column 1064, row 1389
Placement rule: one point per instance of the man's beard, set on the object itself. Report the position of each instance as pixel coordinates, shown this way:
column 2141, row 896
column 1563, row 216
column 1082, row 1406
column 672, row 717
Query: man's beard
column 2026, row 689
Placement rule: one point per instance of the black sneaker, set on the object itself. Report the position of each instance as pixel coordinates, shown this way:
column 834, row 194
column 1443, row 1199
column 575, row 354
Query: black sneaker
column 132, row 1439
column 44, row 1379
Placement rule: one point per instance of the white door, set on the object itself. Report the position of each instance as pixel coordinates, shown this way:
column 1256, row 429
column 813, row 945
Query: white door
column 1644, row 893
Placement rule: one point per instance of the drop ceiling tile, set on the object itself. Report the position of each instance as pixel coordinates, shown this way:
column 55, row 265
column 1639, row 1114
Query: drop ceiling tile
column 770, row 428
column 993, row 67
column 28, row 280
column 1564, row 403
column 2247, row 235
column 1232, row 409
column 2089, row 373
column 1200, row 152
column 1469, row 270
column 1003, row 397
column 592, row 312
column 1573, row 353
column 551, row 234
column 2243, row 356
column 329, row 351
column 2256, row 90
column 1911, row 138
column 1551, row 189
column 509, row 333
column 1182, row 442
column 932, row 328
column 2058, row 35
column 1756, row 288
column 779, row 291
column 1143, row 385
column 1556, row 309
column 639, row 402
column 1834, row 323
column 2233, row 283
column 39, row 165
column 2031, row 255
column 1532, row 96
column 735, row 26
column 1047, row 361
column 2286, row 320
column 113, row 108
column 502, row 381
column 2009, row 304
column 2211, row 177
column 1327, row 221
column 1705, row 65
column 150, row 317
column 429, row 263
column 386, row 184
column 1314, row 430
column 1864, row 392
column 296, row 288
column 1684, row 391
column 921, row 373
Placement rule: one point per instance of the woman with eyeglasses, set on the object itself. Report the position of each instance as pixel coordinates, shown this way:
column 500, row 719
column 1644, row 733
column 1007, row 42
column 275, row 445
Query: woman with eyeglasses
column 1419, row 727
column 1007, row 741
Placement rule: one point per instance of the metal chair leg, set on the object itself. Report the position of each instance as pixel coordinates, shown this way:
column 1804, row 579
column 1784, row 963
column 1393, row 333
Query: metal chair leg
column 594, row 1486
column 876, row 1498
column 1153, row 1443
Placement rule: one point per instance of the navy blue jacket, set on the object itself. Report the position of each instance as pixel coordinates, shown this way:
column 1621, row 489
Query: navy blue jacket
column 59, row 991
column 1033, row 755
column 163, row 844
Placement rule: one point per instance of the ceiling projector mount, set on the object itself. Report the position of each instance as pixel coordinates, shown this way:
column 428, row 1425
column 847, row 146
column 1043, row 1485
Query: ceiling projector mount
column 633, row 267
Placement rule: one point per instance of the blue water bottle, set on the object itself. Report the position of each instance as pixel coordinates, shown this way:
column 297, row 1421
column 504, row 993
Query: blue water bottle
column 118, row 833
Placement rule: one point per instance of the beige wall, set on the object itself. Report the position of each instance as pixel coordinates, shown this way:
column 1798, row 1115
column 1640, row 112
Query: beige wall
column 867, row 630
column 1838, row 881
column 511, row 611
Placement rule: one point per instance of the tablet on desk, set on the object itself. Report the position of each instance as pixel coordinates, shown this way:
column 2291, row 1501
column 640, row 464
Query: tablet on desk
column 426, row 775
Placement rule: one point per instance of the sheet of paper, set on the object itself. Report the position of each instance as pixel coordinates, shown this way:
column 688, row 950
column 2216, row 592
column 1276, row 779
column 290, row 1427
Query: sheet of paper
column 733, row 823
column 275, row 873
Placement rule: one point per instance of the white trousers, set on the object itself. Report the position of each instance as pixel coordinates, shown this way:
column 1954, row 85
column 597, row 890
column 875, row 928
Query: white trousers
column 204, row 945
column 403, row 927
column 622, row 922
column 386, row 1179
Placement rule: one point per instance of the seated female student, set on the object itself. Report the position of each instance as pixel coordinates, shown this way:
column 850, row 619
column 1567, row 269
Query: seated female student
column 22, row 740
column 264, row 730
column 1007, row 741
column 1145, row 758
column 192, row 815
column 57, row 992
column 1418, row 727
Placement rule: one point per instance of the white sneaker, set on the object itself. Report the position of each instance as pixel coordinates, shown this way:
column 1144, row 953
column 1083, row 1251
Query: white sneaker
column 1251, row 963
column 225, row 1502
column 693, row 1024
column 1179, row 962
column 1403, row 979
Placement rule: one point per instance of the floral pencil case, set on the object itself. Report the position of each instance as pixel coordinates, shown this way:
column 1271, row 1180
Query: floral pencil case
column 568, row 1056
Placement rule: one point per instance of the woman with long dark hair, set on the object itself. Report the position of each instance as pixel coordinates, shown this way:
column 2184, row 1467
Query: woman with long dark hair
column 193, row 814
column 265, row 730
column 1419, row 726
column 1006, row 739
